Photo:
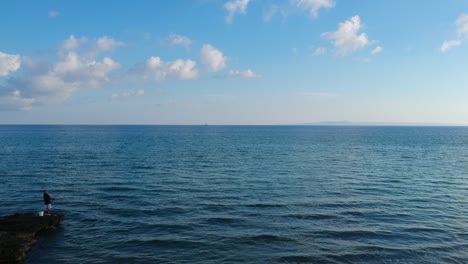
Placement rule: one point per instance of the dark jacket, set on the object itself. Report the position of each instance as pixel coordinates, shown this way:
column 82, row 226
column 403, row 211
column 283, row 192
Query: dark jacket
column 47, row 198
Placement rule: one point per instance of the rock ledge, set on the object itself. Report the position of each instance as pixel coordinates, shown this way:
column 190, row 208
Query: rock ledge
column 18, row 233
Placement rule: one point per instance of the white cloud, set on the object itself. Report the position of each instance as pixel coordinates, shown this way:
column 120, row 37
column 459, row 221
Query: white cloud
column 51, row 85
column 313, row 6
column 241, row 74
column 106, row 44
column 178, row 40
column 320, row 51
column 155, row 68
column 447, row 45
column 53, row 13
column 376, row 50
column 9, row 63
column 213, row 58
column 270, row 13
column 346, row 38
column 70, row 44
column 43, row 82
column 90, row 73
column 235, row 6
column 15, row 101
column 462, row 32
column 131, row 93
column 294, row 51
column 79, row 65
column 462, row 25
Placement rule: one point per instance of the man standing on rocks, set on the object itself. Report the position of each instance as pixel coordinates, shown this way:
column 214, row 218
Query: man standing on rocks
column 48, row 201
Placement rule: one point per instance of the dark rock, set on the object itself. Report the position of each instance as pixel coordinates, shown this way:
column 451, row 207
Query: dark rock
column 18, row 233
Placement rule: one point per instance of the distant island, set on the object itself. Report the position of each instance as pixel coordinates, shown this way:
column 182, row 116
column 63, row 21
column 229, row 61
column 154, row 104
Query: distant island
column 350, row 123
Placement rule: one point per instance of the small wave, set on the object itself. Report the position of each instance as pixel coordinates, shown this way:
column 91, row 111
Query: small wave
column 264, row 238
column 302, row 259
column 216, row 207
column 127, row 212
column 382, row 248
column 310, row 216
column 173, row 210
column 223, row 220
column 142, row 167
column 335, row 205
column 105, row 164
column 89, row 157
column 166, row 243
column 360, row 213
column 89, row 221
column 265, row 205
column 159, row 228
column 118, row 189
column 355, row 234
column 443, row 247
column 423, row 230
column 357, row 257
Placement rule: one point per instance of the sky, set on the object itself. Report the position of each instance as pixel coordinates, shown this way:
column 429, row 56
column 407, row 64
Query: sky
column 233, row 62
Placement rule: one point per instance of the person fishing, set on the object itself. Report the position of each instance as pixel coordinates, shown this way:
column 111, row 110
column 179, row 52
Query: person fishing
column 48, row 201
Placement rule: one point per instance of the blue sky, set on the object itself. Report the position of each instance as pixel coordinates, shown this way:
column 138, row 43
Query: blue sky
column 233, row 62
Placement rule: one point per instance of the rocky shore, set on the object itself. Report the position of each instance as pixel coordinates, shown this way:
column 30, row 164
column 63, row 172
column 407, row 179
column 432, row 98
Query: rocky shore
column 19, row 232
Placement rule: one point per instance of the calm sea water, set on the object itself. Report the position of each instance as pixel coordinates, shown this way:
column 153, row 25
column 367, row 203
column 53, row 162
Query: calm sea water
column 235, row 194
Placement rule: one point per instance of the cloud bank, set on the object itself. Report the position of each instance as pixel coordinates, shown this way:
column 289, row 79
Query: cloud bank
column 82, row 64
column 76, row 67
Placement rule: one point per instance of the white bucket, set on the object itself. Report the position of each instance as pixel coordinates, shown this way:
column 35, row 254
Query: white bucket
column 41, row 213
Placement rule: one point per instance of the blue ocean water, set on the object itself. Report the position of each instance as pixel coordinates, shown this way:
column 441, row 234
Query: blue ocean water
column 242, row 194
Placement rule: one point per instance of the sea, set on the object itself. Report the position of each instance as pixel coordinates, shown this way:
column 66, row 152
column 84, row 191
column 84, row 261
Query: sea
column 241, row 194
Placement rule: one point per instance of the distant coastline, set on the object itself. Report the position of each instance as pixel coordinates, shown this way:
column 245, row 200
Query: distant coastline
column 349, row 123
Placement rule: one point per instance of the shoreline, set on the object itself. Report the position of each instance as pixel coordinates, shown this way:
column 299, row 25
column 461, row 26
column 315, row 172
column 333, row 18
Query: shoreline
column 19, row 234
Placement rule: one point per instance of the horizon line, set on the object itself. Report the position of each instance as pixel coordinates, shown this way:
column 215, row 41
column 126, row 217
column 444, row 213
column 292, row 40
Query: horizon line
column 327, row 123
